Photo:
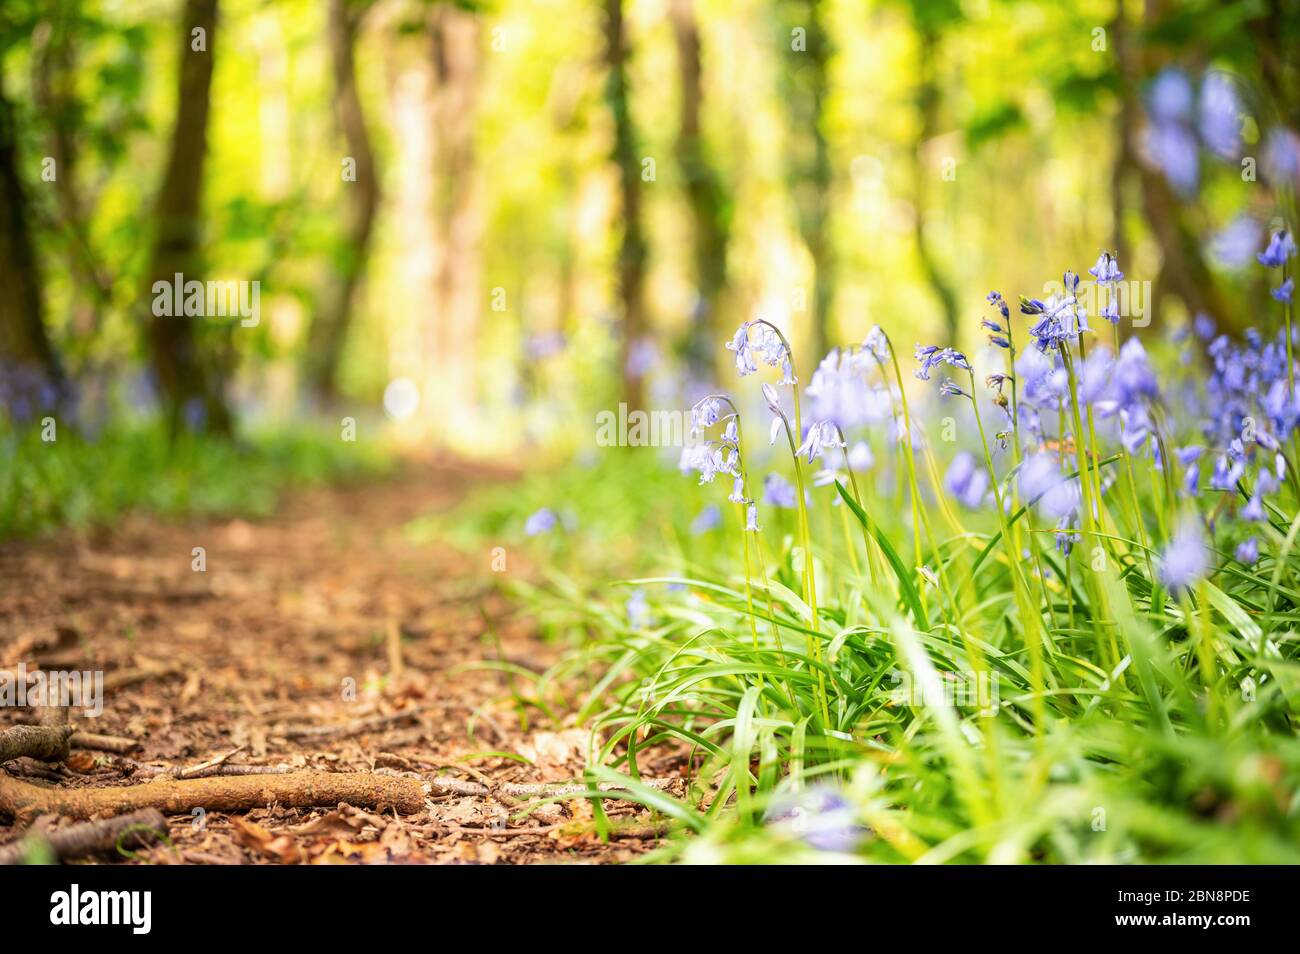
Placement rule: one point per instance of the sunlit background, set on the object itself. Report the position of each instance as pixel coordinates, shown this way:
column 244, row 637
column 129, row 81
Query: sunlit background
column 824, row 165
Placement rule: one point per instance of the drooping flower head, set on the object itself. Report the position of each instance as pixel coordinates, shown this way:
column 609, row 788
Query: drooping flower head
column 821, row 436
column 757, row 340
column 1280, row 247
column 930, row 355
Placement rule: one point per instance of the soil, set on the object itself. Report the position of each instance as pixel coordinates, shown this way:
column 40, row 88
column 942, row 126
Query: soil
column 269, row 650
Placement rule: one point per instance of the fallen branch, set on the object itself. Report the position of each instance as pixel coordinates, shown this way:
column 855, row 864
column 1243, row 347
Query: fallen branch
column 458, row 786
column 210, row 766
column 103, row 743
column 49, row 743
column 220, row 794
column 88, row 838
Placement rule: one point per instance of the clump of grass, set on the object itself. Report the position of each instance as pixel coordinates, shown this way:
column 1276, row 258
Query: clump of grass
column 1077, row 662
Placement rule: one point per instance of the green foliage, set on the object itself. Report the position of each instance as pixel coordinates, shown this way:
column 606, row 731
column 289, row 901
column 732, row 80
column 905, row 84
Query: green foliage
column 86, row 482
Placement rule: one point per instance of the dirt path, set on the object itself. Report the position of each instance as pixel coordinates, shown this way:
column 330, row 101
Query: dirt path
column 289, row 628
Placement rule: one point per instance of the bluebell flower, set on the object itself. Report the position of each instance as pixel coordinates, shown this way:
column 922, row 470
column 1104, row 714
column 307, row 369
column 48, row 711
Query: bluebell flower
column 876, row 344
column 821, row 435
column 950, row 389
column 1175, row 150
column 737, row 494
column 1281, row 159
column 706, row 412
column 1189, row 458
column 839, row 392
column 1106, row 271
column 739, row 343
column 1234, row 245
column 638, row 610
column 997, row 301
column 778, row 492
column 1280, row 247
column 1247, row 551
column 1220, row 115
column 1186, row 560
column 542, row 521
column 1170, row 97
column 1283, row 292
column 967, row 481
column 751, row 519
column 1041, row 481
column 1061, row 318
column 710, row 518
column 930, row 355
column 819, row 816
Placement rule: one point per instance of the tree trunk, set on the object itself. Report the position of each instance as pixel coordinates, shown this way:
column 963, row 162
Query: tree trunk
column 458, row 291
column 189, row 386
column 27, row 359
column 633, row 251
column 710, row 209
column 810, row 166
column 329, row 328
column 927, row 104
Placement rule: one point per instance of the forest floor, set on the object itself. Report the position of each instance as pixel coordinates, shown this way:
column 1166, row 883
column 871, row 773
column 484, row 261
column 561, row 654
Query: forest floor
column 320, row 639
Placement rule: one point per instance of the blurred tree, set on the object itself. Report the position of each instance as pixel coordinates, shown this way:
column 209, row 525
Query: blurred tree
column 23, row 339
column 55, row 54
column 808, row 49
column 707, row 197
column 930, row 19
column 334, row 308
column 190, row 387
column 632, row 249
column 455, row 36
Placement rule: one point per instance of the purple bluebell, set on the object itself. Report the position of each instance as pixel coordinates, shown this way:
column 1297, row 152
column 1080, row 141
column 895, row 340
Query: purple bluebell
column 1281, row 159
column 638, row 610
column 997, row 301
column 1171, row 97
column 820, row 816
column 1186, row 560
column 1174, row 149
column 1220, row 115
column 541, row 521
column 1284, row 291
column 1281, row 246
column 928, row 356
column 1189, row 458
column 821, row 435
column 1247, row 551
column 1234, row 245
column 967, row 481
column 778, row 492
column 710, row 518
column 751, row 519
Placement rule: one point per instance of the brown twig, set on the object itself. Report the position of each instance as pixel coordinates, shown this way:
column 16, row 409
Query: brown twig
column 88, row 838
column 293, row 790
column 355, row 727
